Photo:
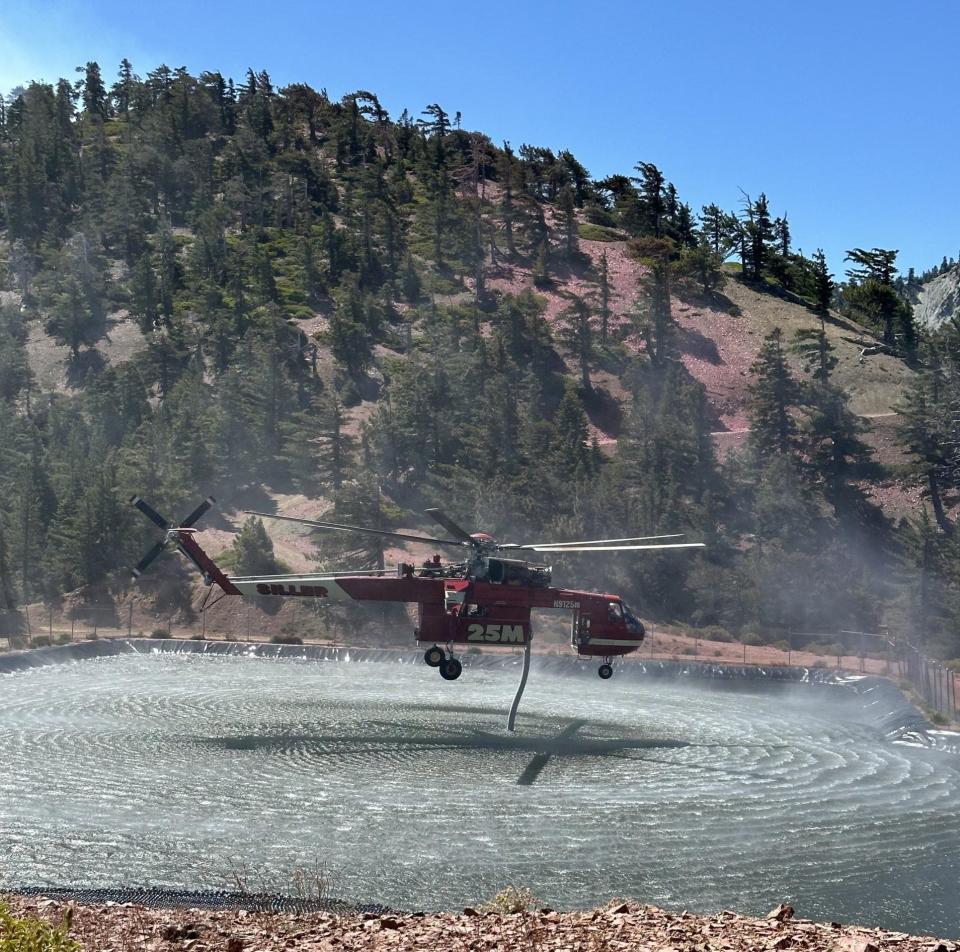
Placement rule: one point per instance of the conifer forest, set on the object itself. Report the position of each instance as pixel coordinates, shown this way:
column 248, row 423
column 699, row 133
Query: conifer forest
column 248, row 289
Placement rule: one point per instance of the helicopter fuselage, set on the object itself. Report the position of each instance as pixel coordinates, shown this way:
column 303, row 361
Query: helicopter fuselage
column 454, row 608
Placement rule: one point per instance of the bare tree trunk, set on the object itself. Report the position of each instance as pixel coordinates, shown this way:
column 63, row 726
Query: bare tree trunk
column 943, row 522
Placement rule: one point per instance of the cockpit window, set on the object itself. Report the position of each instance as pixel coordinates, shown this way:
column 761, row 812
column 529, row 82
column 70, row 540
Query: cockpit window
column 633, row 623
column 614, row 611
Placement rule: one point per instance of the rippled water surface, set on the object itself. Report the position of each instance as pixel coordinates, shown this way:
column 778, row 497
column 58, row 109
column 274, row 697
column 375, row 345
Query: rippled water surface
column 175, row 770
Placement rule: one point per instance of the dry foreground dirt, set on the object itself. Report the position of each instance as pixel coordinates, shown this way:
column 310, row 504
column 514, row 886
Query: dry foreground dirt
column 619, row 925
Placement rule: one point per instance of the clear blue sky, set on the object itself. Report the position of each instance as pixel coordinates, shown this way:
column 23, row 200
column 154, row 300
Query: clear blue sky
column 844, row 113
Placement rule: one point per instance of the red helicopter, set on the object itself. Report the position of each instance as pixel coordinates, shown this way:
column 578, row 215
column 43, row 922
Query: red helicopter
column 483, row 599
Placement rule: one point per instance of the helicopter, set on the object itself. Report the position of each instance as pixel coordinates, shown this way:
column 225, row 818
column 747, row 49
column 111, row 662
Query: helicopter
column 483, row 598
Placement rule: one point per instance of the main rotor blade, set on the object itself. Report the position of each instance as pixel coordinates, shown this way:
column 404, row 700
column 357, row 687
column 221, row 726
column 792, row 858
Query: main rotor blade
column 565, row 545
column 441, row 518
column 149, row 512
column 344, row 528
column 621, row 548
column 148, row 558
column 198, row 512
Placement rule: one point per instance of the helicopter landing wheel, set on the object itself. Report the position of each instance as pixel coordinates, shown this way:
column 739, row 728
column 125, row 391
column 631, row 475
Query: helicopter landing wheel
column 433, row 656
column 605, row 671
column 451, row 669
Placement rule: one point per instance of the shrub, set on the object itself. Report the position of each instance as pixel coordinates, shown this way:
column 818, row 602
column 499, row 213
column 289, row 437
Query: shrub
column 598, row 215
column 160, row 633
column 230, row 636
column 781, row 645
column 199, row 636
column 716, row 633
column 511, row 900
column 286, row 640
column 92, row 636
column 63, row 638
column 41, row 641
column 751, row 639
column 34, row 935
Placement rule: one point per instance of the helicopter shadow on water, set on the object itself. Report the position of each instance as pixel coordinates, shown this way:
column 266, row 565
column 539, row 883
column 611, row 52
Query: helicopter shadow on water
column 381, row 739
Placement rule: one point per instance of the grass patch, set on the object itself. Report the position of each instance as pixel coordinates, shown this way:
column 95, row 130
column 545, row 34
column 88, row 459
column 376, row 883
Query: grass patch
column 34, row 935
column 591, row 232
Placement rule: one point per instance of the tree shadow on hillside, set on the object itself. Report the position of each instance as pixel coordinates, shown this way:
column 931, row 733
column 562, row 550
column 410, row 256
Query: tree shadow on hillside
column 604, row 411
column 714, row 300
column 81, row 366
column 695, row 344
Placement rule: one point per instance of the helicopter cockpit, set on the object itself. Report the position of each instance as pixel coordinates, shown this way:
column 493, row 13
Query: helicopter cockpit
column 620, row 612
column 634, row 625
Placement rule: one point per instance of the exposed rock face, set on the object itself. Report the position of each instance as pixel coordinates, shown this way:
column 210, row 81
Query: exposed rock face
column 938, row 300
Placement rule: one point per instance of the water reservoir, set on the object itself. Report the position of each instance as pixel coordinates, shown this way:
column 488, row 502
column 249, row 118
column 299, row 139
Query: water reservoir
column 187, row 770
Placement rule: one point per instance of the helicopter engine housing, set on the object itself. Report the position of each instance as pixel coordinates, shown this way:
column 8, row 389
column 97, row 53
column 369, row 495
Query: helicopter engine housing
column 516, row 572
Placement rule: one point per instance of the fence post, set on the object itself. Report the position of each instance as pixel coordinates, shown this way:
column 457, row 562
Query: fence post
column 26, row 615
column 130, row 620
column 789, row 648
column 50, row 623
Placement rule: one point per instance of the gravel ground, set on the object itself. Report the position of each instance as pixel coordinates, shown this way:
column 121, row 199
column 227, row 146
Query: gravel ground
column 620, row 925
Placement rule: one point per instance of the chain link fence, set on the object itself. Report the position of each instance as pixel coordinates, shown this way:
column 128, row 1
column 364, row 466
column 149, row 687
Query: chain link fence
column 291, row 621
column 934, row 682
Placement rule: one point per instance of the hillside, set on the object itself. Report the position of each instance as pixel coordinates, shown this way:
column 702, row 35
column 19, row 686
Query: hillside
column 305, row 306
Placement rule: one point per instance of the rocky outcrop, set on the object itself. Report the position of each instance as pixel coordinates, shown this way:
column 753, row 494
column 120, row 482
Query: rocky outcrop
column 938, row 300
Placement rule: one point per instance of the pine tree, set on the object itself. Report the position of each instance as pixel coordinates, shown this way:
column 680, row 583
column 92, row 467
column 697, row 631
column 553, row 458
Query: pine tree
column 831, row 431
column 718, row 229
column 570, row 452
column 123, row 90
column 653, row 317
column 145, row 295
column 759, row 233
column 652, row 199
column 252, row 551
column 871, row 294
column 94, row 92
column 823, row 282
column 603, row 298
column 923, row 430
column 8, row 599
column 773, row 397
column 577, row 320
column 505, row 171
column 567, row 207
